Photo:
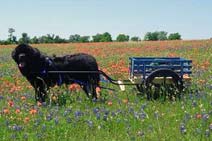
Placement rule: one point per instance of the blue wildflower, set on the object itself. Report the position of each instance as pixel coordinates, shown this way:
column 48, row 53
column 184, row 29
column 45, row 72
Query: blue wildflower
column 118, row 112
column 182, row 128
column 65, row 113
column 16, row 128
column 210, row 126
column 142, row 115
column 68, row 120
column 98, row 116
column 69, row 110
column 106, row 112
column 94, row 100
column 194, row 103
column 131, row 110
column 90, row 123
column 210, row 112
column 78, row 114
column 25, row 136
column 136, row 115
column 207, row 133
column 210, row 87
column 105, row 117
column 44, row 104
column 49, row 117
column 113, row 114
column 39, row 135
column 56, row 120
column 190, row 96
column 40, row 113
column 14, row 136
column 187, row 117
column 43, row 128
column 96, row 110
column 205, row 116
column 143, row 106
column 37, row 122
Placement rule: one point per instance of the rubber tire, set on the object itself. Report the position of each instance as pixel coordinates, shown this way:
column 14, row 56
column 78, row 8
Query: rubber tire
column 164, row 73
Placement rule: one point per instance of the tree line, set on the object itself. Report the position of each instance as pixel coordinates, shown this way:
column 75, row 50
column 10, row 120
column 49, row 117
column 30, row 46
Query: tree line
column 76, row 38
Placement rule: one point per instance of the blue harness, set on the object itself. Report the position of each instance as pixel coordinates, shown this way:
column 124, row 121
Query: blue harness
column 44, row 72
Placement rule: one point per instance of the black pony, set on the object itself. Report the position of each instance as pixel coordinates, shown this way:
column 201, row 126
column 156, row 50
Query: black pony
column 34, row 65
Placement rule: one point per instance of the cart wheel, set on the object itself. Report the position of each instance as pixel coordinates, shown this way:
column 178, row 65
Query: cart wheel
column 171, row 89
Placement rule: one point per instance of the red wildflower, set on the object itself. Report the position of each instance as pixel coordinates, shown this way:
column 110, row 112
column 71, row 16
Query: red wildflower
column 74, row 87
column 39, row 103
column 125, row 101
column 198, row 116
column 10, row 103
column 109, row 103
column 23, row 97
column 26, row 119
column 17, row 111
column 6, row 111
column 33, row 111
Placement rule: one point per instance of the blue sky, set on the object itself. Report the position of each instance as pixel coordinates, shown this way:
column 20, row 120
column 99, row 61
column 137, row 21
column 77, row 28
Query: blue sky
column 191, row 18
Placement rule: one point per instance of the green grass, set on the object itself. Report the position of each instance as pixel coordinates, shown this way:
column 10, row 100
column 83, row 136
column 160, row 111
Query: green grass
column 81, row 119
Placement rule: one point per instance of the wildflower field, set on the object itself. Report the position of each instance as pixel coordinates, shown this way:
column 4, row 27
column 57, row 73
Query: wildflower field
column 124, row 115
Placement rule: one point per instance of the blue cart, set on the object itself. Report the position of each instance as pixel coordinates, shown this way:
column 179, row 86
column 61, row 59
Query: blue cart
column 155, row 74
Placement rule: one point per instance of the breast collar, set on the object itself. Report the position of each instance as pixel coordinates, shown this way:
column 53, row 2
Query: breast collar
column 50, row 63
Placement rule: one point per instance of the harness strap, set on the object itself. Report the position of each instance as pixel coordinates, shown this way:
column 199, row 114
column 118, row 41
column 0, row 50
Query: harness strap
column 50, row 63
column 60, row 80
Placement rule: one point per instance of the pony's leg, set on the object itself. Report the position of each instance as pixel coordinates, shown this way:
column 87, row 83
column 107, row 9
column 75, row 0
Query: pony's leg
column 87, row 90
column 40, row 90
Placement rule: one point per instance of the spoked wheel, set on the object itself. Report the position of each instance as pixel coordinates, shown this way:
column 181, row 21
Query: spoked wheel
column 163, row 83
